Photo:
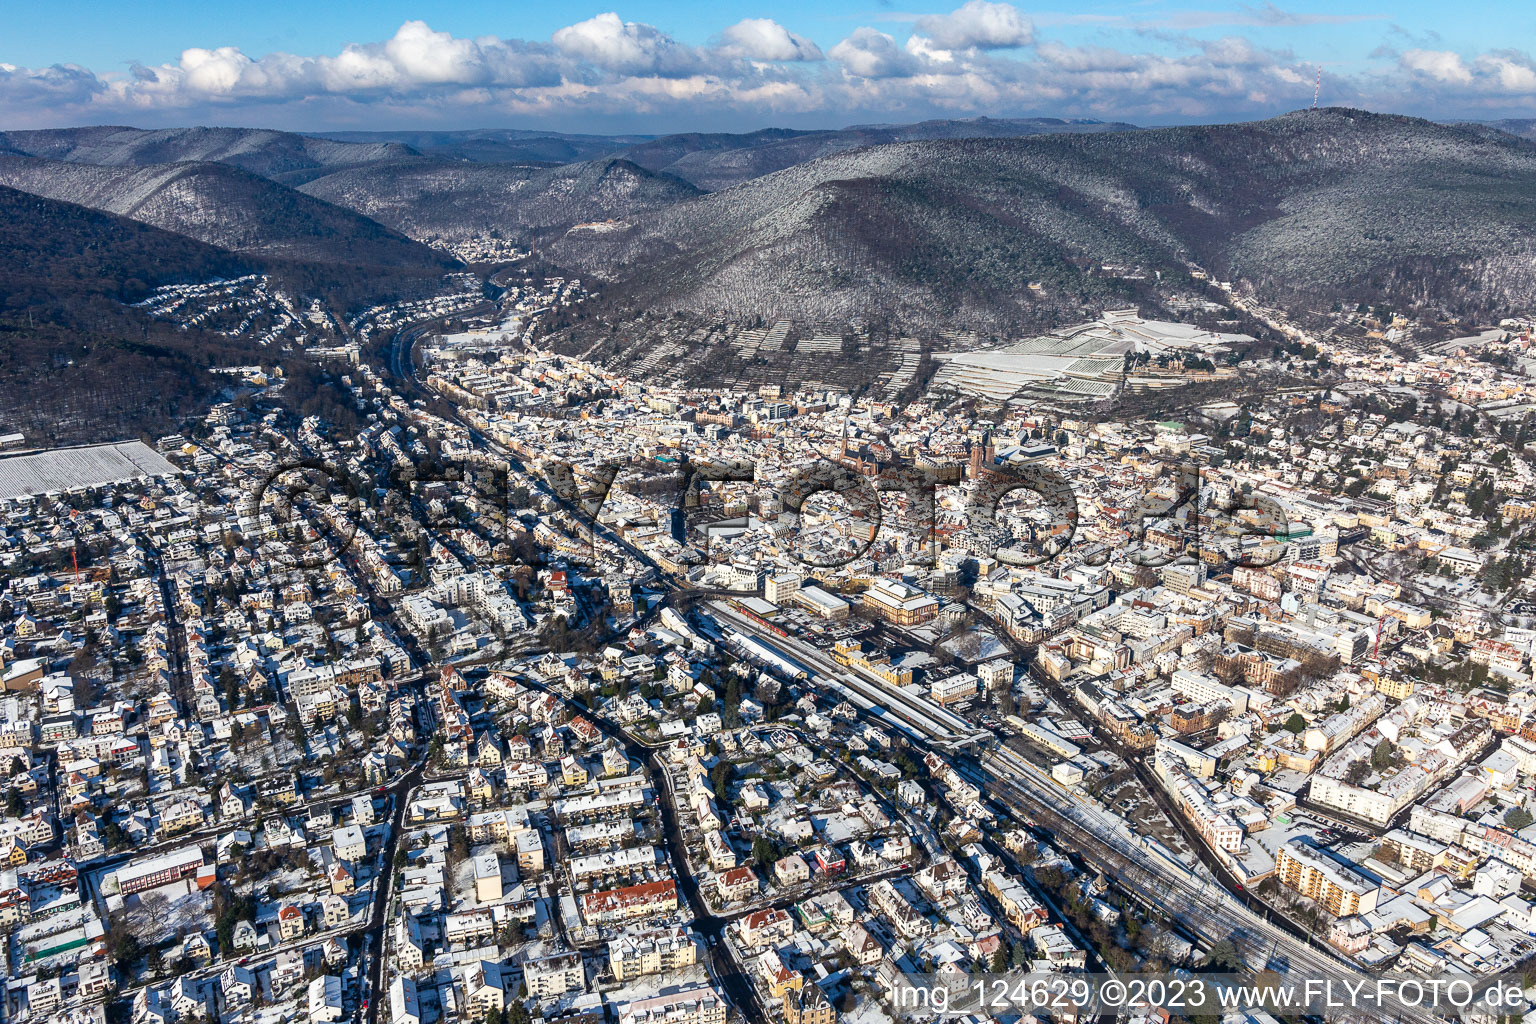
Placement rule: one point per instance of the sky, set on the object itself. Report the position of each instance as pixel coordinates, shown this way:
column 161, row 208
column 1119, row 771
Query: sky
column 729, row 65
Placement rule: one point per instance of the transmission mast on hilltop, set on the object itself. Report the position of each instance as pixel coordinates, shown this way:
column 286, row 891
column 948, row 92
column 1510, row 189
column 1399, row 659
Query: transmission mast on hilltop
column 1317, row 87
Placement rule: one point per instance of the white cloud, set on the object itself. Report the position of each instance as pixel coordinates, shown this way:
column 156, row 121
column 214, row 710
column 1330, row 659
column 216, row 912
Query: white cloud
column 766, row 39
column 1513, row 72
column 1087, row 58
column 870, row 53
column 429, row 57
column 416, row 61
column 215, row 72
column 978, row 23
column 626, row 46
column 1235, row 51
column 358, row 69
column 608, row 74
column 60, row 85
column 1440, row 65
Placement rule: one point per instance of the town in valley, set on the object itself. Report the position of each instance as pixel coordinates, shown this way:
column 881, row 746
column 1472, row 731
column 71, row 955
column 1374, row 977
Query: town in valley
column 509, row 684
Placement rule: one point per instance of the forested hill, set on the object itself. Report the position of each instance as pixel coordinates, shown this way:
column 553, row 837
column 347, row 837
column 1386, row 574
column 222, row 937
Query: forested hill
column 76, row 363
column 1313, row 207
column 456, row 199
column 284, row 157
column 998, row 226
column 225, row 206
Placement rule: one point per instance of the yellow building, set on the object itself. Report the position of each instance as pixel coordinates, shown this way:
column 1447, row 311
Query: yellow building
column 875, row 665
column 809, row 1005
column 571, row 771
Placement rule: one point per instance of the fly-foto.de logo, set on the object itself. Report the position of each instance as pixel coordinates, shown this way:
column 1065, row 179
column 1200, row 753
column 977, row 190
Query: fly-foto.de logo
column 308, row 512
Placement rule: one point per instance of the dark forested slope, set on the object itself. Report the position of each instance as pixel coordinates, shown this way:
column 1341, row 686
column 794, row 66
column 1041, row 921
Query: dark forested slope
column 76, row 363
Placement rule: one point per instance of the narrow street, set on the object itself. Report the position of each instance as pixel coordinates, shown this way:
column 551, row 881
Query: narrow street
column 709, row 925
column 373, row 942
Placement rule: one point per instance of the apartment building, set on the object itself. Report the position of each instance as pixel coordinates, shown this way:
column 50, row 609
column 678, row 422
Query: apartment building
column 629, row 902
column 1216, row 826
column 768, row 925
column 482, row 989
column 737, row 884
column 652, row 952
column 697, row 1005
column 884, row 898
column 554, row 975
column 1339, row 889
column 808, row 1005
column 612, row 864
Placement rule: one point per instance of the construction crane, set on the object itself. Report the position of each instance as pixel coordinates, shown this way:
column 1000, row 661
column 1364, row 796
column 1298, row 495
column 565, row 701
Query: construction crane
column 1377, row 645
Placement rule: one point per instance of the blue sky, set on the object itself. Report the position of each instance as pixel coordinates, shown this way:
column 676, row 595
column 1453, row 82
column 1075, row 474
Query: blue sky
column 650, row 66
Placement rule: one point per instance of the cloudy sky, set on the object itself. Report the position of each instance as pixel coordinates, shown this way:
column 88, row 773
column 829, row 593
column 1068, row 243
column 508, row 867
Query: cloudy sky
column 654, row 66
